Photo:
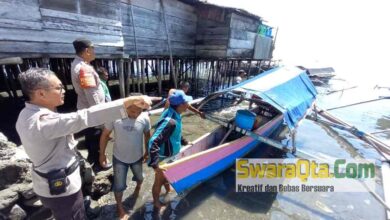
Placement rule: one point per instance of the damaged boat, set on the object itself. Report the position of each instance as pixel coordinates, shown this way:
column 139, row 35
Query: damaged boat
column 249, row 114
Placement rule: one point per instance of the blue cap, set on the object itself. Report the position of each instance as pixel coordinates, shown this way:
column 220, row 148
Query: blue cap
column 178, row 97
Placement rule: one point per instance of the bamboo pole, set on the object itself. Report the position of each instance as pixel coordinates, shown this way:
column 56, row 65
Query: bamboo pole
column 136, row 73
column 382, row 148
column 340, row 90
column 379, row 132
column 173, row 72
column 358, row 103
column 377, row 144
column 299, row 154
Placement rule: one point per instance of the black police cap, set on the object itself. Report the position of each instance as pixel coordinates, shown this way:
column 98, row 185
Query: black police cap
column 81, row 43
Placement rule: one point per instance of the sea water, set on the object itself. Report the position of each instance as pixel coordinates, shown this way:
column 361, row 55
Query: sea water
column 217, row 199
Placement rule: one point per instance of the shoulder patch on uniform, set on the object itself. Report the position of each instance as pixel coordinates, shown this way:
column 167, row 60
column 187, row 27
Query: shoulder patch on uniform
column 87, row 79
column 47, row 116
column 43, row 116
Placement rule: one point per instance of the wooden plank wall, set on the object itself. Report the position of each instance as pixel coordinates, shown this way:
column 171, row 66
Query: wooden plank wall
column 18, row 18
column 212, row 32
column 150, row 30
column 36, row 28
column 243, row 31
column 39, row 28
column 32, row 28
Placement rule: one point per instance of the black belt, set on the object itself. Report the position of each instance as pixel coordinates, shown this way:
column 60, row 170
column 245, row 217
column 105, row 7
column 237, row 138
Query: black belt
column 68, row 170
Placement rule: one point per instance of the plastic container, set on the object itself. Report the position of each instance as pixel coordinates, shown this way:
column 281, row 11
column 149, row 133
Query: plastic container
column 245, row 119
column 262, row 30
column 269, row 32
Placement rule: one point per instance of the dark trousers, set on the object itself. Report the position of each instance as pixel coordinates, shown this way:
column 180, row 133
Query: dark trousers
column 92, row 137
column 66, row 208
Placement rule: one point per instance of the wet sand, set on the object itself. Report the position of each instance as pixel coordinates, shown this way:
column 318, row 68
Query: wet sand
column 142, row 207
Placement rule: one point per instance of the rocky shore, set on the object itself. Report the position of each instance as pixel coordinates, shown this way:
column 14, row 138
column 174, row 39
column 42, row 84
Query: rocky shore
column 18, row 201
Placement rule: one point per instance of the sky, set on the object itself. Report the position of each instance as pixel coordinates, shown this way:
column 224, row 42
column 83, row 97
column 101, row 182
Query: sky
column 350, row 36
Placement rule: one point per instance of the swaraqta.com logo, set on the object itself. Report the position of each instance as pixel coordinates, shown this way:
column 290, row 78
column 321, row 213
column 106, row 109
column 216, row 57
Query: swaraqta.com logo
column 302, row 175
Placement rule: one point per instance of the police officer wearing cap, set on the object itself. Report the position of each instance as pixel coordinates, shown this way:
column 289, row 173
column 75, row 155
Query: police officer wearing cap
column 167, row 140
column 87, row 85
column 47, row 137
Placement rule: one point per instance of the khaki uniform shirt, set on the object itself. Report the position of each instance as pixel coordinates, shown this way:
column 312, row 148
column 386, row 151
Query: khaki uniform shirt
column 91, row 92
column 47, row 137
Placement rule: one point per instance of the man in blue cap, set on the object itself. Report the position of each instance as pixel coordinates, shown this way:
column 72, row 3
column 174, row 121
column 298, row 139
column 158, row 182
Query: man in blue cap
column 167, row 140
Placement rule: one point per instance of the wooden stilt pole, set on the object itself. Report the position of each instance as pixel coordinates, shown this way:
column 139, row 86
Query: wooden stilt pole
column 138, row 72
column 187, row 66
column 128, row 63
column 181, row 71
column 143, row 75
column 132, row 70
column 147, row 69
column 159, row 77
column 193, row 76
column 212, row 76
column 121, row 78
column 231, row 72
column 218, row 75
column 9, row 83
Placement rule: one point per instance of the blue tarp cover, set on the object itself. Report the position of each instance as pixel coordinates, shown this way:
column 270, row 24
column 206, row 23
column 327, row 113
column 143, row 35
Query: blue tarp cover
column 288, row 89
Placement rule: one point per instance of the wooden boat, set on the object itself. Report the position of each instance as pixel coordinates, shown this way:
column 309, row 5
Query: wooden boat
column 319, row 76
column 279, row 98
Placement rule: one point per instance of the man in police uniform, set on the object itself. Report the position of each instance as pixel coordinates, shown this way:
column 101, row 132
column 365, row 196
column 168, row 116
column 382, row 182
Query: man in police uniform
column 89, row 90
column 47, row 137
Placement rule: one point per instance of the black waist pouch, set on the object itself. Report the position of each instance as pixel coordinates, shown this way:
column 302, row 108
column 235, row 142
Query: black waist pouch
column 58, row 181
